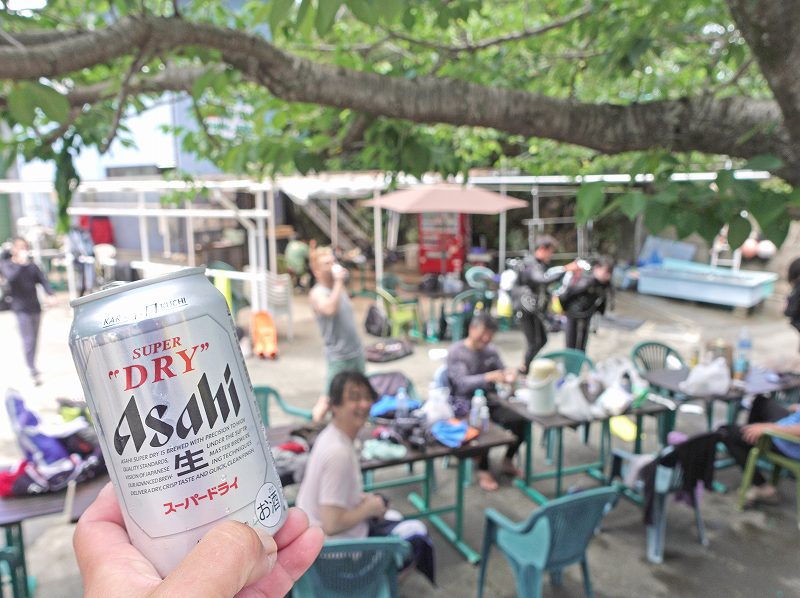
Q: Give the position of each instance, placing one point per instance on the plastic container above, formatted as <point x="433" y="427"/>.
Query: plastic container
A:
<point x="478" y="402"/>
<point x="741" y="357"/>
<point x="541" y="387"/>
<point x="402" y="403"/>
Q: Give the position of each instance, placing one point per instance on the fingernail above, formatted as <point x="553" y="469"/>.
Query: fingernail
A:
<point x="270" y="548"/>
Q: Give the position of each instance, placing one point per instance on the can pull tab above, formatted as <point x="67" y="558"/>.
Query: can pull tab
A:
<point x="113" y="284"/>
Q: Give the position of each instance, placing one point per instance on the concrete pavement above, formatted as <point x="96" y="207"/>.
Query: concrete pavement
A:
<point x="751" y="553"/>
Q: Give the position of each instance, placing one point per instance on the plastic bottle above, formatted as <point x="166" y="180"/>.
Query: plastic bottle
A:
<point x="402" y="403"/>
<point x="478" y="401"/>
<point x="741" y="358"/>
<point x="484" y="417"/>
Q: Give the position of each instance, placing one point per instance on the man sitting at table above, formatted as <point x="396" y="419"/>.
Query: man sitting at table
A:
<point x="765" y="414"/>
<point x="474" y="364"/>
<point x="332" y="492"/>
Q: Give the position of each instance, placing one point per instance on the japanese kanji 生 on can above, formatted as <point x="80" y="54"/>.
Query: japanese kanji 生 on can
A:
<point x="174" y="409"/>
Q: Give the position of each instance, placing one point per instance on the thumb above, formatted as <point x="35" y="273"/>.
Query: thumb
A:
<point x="229" y="557"/>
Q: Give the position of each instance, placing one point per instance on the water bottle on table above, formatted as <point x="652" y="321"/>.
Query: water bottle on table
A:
<point x="741" y="358"/>
<point x="402" y="403"/>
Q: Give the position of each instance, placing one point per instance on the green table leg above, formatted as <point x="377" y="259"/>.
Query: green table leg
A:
<point x="528" y="453"/>
<point x="637" y="442"/>
<point x="454" y="536"/>
<point x="19" y="573"/>
<point x="559" y="460"/>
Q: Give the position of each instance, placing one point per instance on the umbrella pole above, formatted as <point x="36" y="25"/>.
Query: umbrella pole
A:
<point x="378" y="234"/>
<point x="501" y="258"/>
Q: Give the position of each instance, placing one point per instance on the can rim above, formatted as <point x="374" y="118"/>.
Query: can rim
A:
<point x="136" y="284"/>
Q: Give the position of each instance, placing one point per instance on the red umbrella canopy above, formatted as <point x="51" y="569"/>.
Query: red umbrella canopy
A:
<point x="446" y="198"/>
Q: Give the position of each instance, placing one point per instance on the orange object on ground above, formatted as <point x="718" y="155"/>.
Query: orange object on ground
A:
<point x="264" y="335"/>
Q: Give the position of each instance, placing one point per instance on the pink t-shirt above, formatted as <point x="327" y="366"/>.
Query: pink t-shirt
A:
<point x="332" y="478"/>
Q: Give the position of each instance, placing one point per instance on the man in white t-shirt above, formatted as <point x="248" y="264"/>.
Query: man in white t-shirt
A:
<point x="332" y="492"/>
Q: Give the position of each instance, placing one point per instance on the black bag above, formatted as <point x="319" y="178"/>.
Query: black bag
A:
<point x="377" y="322"/>
<point x="388" y="350"/>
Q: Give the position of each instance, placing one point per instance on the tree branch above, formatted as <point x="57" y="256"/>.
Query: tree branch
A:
<point x="472" y="47"/>
<point x="741" y="126"/>
<point x="770" y="29"/>
<point x="122" y="99"/>
<point x="203" y="125"/>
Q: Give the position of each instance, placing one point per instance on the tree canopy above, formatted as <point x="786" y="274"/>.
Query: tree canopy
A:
<point x="540" y="86"/>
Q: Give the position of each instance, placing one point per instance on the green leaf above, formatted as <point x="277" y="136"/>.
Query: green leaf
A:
<point x="364" y="11"/>
<point x="767" y="206"/>
<point x="202" y="83"/>
<point x="590" y="200"/>
<point x="279" y="13"/>
<point x="738" y="230"/>
<point x="54" y="104"/>
<point x="725" y="183"/>
<point x="302" y="12"/>
<point x="777" y="231"/>
<point x="20" y="106"/>
<point x="764" y="162"/>
<point x="326" y="13"/>
<point x="390" y="9"/>
<point x="657" y="216"/>
<point x="631" y="204"/>
<point x="708" y="226"/>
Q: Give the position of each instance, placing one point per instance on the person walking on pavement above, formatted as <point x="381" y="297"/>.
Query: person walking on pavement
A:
<point x="531" y="296"/>
<point x="22" y="276"/>
<point x="334" y="312"/>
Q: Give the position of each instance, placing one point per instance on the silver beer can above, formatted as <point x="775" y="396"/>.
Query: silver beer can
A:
<point x="175" y="412"/>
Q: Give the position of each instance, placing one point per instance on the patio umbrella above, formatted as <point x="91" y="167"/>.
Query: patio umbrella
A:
<point x="441" y="199"/>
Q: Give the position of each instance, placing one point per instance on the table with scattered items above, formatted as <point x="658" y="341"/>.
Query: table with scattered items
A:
<point x="492" y="436"/>
<point x="557" y="423"/>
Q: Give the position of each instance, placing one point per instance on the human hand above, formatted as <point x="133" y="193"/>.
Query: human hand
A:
<point x="510" y="375"/>
<point x="232" y="559"/>
<point x="373" y="505"/>
<point x="339" y="272"/>
<point x="496" y="376"/>
<point x="752" y="432"/>
<point x="51" y="301"/>
<point x="573" y="266"/>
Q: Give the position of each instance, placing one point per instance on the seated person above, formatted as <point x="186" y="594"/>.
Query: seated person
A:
<point x="473" y="364"/>
<point x="332" y="492"/>
<point x="765" y="414"/>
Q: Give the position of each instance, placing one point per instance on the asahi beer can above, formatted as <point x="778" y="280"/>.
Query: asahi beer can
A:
<point x="174" y="409"/>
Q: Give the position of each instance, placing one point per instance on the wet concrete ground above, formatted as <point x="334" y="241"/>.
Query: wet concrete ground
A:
<point x="754" y="553"/>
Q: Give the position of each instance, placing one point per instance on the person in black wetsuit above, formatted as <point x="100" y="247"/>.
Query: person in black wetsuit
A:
<point x="530" y="296"/>
<point x="22" y="276"/>
<point x="586" y="295"/>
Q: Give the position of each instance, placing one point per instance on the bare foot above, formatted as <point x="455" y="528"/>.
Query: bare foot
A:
<point x="487" y="482"/>
<point x="508" y="468"/>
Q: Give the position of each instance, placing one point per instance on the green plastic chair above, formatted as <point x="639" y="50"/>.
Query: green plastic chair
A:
<point x="573" y="360"/>
<point x="668" y="479"/>
<point x="365" y="567"/>
<point x="393" y="283"/>
<point x="401" y="314"/>
<point x="265" y="394"/>
<point x="651" y="355"/>
<point x="461" y="309"/>
<point x="553" y="537"/>
<point x="764" y="451"/>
